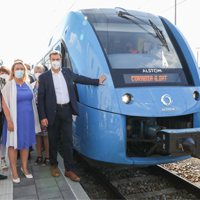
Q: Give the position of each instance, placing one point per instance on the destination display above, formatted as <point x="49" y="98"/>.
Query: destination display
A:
<point x="151" y="78"/>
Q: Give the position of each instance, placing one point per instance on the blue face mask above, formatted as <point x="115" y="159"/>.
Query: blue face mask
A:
<point x="19" y="73"/>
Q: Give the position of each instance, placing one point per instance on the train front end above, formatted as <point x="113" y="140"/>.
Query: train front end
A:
<point x="149" y="111"/>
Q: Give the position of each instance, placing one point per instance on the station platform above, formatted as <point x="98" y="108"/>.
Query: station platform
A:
<point x="42" y="186"/>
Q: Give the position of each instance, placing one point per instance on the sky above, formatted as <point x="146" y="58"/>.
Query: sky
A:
<point x="27" y="25"/>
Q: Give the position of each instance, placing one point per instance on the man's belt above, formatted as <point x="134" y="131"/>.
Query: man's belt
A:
<point x="63" y="105"/>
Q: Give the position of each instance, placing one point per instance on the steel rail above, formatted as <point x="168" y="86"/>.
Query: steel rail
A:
<point x="190" y="187"/>
<point x="102" y="180"/>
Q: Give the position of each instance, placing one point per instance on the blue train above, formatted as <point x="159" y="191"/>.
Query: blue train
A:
<point x="148" y="112"/>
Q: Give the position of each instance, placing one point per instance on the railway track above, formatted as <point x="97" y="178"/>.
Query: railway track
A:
<point x="190" y="187"/>
<point x="152" y="183"/>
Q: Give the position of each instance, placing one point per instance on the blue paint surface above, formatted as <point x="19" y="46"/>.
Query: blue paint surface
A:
<point x="100" y="131"/>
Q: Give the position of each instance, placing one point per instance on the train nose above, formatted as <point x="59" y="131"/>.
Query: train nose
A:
<point x="189" y="145"/>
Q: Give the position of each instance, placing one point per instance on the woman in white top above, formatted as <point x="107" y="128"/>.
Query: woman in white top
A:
<point x="21" y="120"/>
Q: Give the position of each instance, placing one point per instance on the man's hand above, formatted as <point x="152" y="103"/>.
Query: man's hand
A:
<point x="101" y="79"/>
<point x="10" y="126"/>
<point x="44" y="122"/>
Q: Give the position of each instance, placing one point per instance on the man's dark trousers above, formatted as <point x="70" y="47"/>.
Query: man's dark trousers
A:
<point x="63" y="123"/>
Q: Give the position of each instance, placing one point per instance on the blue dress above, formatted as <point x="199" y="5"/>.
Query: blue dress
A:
<point x="25" y="119"/>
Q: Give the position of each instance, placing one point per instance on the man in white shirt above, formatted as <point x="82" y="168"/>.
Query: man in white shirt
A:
<point x="56" y="104"/>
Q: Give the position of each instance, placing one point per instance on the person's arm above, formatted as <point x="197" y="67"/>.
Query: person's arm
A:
<point x="88" y="81"/>
<point x="7" y="114"/>
<point x="41" y="102"/>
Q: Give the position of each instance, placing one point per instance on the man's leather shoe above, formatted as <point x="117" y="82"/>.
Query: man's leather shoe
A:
<point x="72" y="176"/>
<point x="54" y="171"/>
<point x="3" y="177"/>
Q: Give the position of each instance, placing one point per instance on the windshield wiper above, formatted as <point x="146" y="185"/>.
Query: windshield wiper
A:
<point x="159" y="34"/>
<point x="157" y="31"/>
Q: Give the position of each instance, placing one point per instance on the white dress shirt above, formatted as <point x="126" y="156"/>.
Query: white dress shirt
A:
<point x="60" y="85"/>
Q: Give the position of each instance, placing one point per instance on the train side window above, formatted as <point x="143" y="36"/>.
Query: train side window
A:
<point x="57" y="46"/>
<point x="50" y="41"/>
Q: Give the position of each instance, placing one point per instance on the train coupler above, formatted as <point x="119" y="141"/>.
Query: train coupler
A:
<point x="179" y="142"/>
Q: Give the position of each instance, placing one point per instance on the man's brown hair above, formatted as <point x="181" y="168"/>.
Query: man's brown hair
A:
<point x="55" y="52"/>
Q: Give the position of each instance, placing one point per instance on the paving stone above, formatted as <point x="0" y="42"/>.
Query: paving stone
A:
<point x="38" y="168"/>
<point x="49" y="193"/>
<point x="43" y="183"/>
<point x="42" y="175"/>
<point x="68" y="195"/>
<point x="6" y="196"/>
<point x="24" y="191"/>
<point x="32" y="197"/>
<point x="25" y="182"/>
<point x="62" y="185"/>
<point x="6" y="185"/>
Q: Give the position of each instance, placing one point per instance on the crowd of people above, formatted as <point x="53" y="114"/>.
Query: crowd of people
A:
<point x="34" y="110"/>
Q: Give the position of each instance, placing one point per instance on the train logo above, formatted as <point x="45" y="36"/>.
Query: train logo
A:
<point x="166" y="100"/>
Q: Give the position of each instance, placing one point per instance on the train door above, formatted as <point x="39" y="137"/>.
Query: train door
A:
<point x="64" y="60"/>
<point x="65" y="57"/>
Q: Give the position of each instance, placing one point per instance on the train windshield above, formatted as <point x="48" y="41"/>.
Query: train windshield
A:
<point x="136" y="56"/>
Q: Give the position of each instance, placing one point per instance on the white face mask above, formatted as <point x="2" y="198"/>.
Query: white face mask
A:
<point x="5" y="76"/>
<point x="37" y="75"/>
<point x="56" y="64"/>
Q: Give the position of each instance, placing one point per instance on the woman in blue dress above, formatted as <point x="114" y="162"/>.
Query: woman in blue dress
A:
<point x="21" y="118"/>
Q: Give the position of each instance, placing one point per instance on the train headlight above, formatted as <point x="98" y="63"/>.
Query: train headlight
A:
<point x="126" y="98"/>
<point x="196" y="95"/>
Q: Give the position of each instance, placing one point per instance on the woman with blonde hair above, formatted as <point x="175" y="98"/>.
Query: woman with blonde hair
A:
<point x="21" y="120"/>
